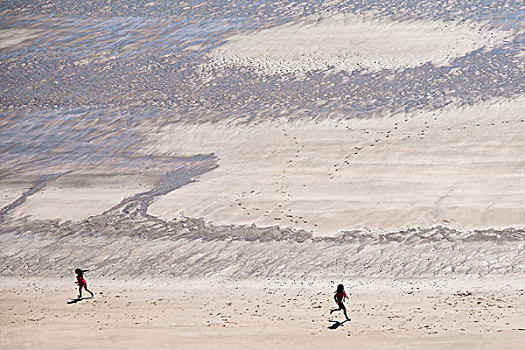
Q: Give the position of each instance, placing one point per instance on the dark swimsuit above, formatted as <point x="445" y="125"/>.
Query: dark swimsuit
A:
<point x="339" y="297"/>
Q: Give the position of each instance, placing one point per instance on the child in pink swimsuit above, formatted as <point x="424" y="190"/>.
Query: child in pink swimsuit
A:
<point x="82" y="282"/>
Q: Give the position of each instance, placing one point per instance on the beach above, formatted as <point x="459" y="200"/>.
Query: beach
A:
<point x="405" y="314"/>
<point x="219" y="168"/>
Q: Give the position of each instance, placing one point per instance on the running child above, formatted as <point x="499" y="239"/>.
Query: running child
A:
<point x="339" y="298"/>
<point x="82" y="282"/>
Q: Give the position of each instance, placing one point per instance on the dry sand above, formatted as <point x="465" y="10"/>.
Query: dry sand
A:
<point x="193" y="314"/>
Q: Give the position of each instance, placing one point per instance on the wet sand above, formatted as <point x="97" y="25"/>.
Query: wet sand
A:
<point x="161" y="314"/>
<point x="83" y="195"/>
<point x="349" y="42"/>
<point x="460" y="168"/>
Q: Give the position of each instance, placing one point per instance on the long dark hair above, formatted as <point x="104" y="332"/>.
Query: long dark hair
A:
<point x="80" y="271"/>
<point x="340" y="288"/>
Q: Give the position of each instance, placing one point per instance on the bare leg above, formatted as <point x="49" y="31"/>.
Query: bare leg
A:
<point x="90" y="292"/>
<point x="347" y="318"/>
<point x="342" y="307"/>
<point x="79" y="292"/>
<point x="335" y="309"/>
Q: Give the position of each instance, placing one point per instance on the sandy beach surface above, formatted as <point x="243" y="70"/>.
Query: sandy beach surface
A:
<point x="219" y="167"/>
<point x="162" y="314"/>
<point x="383" y="173"/>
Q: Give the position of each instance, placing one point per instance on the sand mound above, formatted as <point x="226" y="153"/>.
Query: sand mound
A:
<point x="349" y="42"/>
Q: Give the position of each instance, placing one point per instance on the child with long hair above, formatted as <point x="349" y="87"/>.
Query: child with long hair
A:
<point x="82" y="282"/>
<point x="339" y="298"/>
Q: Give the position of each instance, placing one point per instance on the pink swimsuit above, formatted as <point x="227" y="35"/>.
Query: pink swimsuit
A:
<point x="81" y="281"/>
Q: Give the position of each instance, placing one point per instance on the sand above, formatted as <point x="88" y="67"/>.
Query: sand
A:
<point x="78" y="196"/>
<point x="351" y="42"/>
<point x="459" y="168"/>
<point x="456" y="167"/>
<point x="162" y="314"/>
<point x="13" y="190"/>
<point x="15" y="37"/>
<point x="220" y="168"/>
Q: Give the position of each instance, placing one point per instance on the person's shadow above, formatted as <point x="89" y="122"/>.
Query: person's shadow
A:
<point x="74" y="301"/>
<point x="336" y="324"/>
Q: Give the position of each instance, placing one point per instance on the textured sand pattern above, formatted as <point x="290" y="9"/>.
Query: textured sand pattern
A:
<point x="351" y="43"/>
<point x="439" y="168"/>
